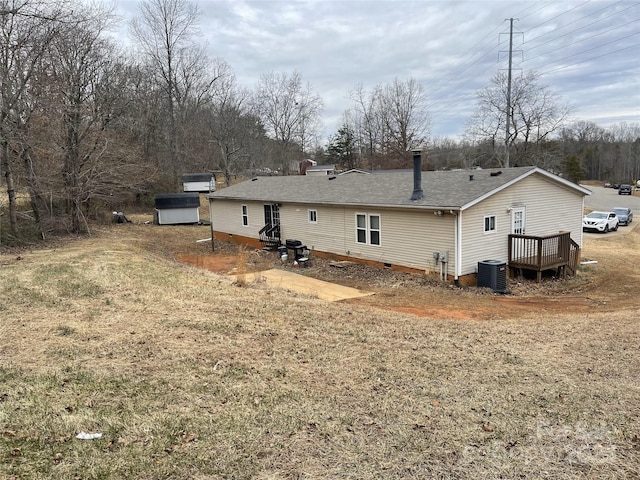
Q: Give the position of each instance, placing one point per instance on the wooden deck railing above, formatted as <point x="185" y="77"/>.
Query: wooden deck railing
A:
<point x="544" y="252"/>
<point x="574" y="258"/>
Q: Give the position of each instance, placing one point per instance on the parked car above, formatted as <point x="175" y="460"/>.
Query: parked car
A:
<point x="624" y="214"/>
<point x="600" y="222"/>
<point x="624" y="190"/>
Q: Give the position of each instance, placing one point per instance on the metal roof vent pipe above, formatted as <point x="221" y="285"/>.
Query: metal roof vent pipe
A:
<point x="417" y="175"/>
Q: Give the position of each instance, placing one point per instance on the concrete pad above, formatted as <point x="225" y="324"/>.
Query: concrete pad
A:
<point x="309" y="286"/>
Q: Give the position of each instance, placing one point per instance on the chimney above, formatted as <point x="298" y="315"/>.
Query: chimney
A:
<point x="417" y="175"/>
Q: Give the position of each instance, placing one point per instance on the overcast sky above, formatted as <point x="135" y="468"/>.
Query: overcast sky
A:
<point x="588" y="52"/>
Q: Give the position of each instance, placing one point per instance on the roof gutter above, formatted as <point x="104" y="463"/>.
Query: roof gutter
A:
<point x="445" y="208"/>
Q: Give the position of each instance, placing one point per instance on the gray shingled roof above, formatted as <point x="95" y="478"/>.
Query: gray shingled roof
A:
<point x="442" y="189"/>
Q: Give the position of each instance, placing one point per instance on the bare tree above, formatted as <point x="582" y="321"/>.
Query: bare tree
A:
<point x="535" y="113"/>
<point x="403" y="109"/>
<point x="611" y="154"/>
<point x="627" y="136"/>
<point x="230" y="126"/>
<point x="164" y="33"/>
<point x="201" y="84"/>
<point x="87" y="98"/>
<point x="289" y="111"/>
<point x="389" y="121"/>
<point x="26" y="29"/>
<point x="367" y="124"/>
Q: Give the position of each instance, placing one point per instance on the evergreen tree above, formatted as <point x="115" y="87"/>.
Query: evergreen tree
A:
<point x="573" y="168"/>
<point x="342" y="148"/>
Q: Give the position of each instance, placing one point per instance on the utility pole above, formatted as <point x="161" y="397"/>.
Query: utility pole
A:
<point x="508" y="109"/>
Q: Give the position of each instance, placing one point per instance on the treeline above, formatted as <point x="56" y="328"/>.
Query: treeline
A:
<point x="540" y="133"/>
<point x="579" y="151"/>
<point x="88" y="126"/>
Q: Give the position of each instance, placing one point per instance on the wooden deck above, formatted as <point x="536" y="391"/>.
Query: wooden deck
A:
<point x="544" y="252"/>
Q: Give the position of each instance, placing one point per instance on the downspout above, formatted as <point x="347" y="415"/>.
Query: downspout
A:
<point x="581" y="230"/>
<point x="211" y="222"/>
<point x="457" y="238"/>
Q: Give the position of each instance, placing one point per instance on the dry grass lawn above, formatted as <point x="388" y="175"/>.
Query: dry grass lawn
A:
<point x="190" y="376"/>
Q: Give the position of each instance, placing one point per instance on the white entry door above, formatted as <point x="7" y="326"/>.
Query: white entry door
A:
<point x="518" y="220"/>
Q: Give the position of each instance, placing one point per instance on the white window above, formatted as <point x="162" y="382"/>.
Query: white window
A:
<point x="245" y="216"/>
<point x="361" y="228"/>
<point x="368" y="229"/>
<point x="313" y="216"/>
<point x="490" y="224"/>
<point x="374" y="229"/>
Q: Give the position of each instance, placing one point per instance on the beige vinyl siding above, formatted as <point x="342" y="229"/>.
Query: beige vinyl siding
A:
<point x="325" y="235"/>
<point x="408" y="238"/>
<point x="226" y="216"/>
<point x="549" y="208"/>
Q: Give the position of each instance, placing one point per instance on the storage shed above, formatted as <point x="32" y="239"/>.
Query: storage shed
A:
<point x="199" y="182"/>
<point x="176" y="208"/>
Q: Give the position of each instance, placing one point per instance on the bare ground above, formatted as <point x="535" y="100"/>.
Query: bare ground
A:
<point x="609" y="285"/>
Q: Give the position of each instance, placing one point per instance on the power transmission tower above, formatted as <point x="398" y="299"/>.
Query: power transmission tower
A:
<point x="508" y="105"/>
<point x="508" y="109"/>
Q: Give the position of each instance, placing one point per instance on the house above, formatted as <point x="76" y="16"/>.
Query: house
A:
<point x="440" y="222"/>
<point x="373" y="172"/>
<point x="320" y="170"/>
<point x="304" y="164"/>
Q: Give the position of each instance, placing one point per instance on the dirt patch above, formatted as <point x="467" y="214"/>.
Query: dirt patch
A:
<point x="216" y="263"/>
<point x="606" y="286"/>
<point x="603" y="287"/>
<point x="447" y="314"/>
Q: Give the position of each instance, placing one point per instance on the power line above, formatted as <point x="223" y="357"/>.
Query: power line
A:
<point x="577" y="29"/>
<point x="561" y="14"/>
<point x="447" y="107"/>
<point x="589" y="59"/>
<point x="580" y="53"/>
<point x="542" y="7"/>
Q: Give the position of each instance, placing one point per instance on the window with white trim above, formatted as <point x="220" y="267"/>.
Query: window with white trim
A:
<point x="374" y="229"/>
<point x="313" y="216"/>
<point x="245" y="216"/>
<point x="368" y="229"/>
<point x="490" y="224"/>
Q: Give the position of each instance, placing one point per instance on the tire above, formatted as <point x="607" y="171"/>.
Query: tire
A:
<point x="615" y="229"/>
<point x="606" y="229"/>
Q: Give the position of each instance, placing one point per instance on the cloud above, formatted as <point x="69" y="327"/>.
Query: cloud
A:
<point x="588" y="52"/>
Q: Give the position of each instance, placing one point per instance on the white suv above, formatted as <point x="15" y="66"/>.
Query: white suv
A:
<point x="600" y="222"/>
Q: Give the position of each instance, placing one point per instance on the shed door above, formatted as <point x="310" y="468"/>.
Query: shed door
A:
<point x="518" y="220"/>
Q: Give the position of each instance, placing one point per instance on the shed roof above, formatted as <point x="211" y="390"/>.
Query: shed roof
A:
<point x="452" y="189"/>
